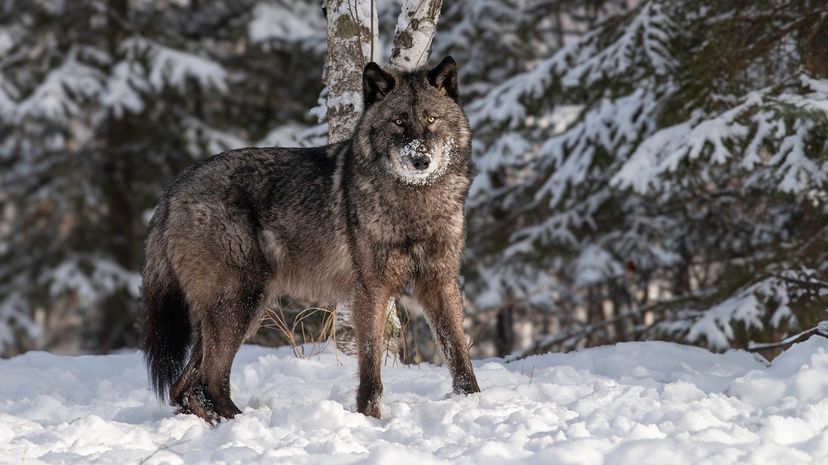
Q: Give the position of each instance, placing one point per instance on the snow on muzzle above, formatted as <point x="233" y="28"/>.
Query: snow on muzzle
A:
<point x="418" y="163"/>
<point x="416" y="156"/>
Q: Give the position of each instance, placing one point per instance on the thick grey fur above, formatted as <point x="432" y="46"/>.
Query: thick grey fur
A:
<point x="349" y="222"/>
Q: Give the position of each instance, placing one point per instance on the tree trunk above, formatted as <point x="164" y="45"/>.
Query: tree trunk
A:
<point x="113" y="326"/>
<point x="595" y="315"/>
<point x="352" y="42"/>
<point x="414" y="34"/>
<point x="504" y="331"/>
<point x="621" y="303"/>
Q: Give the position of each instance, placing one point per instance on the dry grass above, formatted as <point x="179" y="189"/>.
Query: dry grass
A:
<point x="310" y="331"/>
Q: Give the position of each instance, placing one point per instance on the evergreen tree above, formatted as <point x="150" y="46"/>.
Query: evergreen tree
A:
<point x="646" y="169"/>
<point x="662" y="176"/>
<point x="101" y="103"/>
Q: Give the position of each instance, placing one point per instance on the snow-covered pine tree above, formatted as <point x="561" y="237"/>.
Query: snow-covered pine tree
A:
<point x="647" y="168"/>
<point x="497" y="42"/>
<point x="101" y="102"/>
<point x="662" y="176"/>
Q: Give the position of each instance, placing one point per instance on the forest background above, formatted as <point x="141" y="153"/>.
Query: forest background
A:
<point x="645" y="169"/>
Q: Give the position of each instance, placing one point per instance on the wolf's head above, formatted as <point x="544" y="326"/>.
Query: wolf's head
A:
<point x="413" y="127"/>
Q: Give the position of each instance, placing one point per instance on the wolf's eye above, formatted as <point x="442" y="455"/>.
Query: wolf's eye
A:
<point x="398" y="122"/>
<point x="431" y="119"/>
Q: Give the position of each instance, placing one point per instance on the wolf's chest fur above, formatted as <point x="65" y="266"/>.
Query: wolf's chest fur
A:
<point x="322" y="262"/>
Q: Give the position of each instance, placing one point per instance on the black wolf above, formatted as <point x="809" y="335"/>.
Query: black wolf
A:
<point x="351" y="222"/>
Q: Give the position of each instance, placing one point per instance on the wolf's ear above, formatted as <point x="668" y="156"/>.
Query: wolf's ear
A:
<point x="444" y="77"/>
<point x="376" y="84"/>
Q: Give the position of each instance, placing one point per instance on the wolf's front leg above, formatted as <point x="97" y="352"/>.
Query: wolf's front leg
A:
<point x="443" y="306"/>
<point x="369" y="319"/>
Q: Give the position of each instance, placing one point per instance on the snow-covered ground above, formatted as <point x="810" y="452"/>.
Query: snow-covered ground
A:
<point x="630" y="404"/>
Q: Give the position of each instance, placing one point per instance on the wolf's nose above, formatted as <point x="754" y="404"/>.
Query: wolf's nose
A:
<point x="420" y="163"/>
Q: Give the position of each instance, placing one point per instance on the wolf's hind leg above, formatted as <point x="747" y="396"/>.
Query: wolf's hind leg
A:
<point x="189" y="377"/>
<point x="224" y="314"/>
<point x="224" y="330"/>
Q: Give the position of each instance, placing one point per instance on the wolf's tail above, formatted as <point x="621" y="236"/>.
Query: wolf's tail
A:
<point x="167" y="328"/>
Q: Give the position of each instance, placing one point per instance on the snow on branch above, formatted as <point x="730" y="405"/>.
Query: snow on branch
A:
<point x="202" y="138"/>
<point x="648" y="34"/>
<point x="613" y="126"/>
<point x="503" y="104"/>
<point x="171" y="67"/>
<point x="56" y="98"/>
<point x="763" y="128"/>
<point x="123" y="89"/>
<point x="582" y="63"/>
<point x="595" y="265"/>
<point x="300" y="23"/>
<point x="90" y="278"/>
<point x="751" y="306"/>
<point x="63" y="91"/>
<point x="820" y="330"/>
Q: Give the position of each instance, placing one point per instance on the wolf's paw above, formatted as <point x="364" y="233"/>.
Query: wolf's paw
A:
<point x="466" y="385"/>
<point x="368" y="403"/>
<point x="369" y="395"/>
<point x="226" y="409"/>
<point x="196" y="401"/>
<point x="371" y="408"/>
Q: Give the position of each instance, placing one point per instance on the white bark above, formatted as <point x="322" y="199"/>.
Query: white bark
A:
<point x="352" y="41"/>
<point x="414" y="34"/>
<point x="352" y="34"/>
<point x="346" y="336"/>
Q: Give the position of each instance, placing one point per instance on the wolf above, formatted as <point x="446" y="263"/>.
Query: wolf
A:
<point x="352" y="222"/>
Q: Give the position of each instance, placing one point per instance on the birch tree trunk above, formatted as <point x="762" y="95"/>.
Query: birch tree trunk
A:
<point x="416" y="27"/>
<point x="352" y="41"/>
<point x="352" y="33"/>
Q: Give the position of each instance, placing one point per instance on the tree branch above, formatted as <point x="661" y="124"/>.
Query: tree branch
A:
<point x="819" y="330"/>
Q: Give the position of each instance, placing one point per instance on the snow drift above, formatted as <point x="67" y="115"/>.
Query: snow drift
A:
<point x="633" y="403"/>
